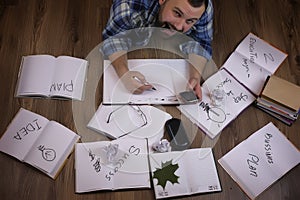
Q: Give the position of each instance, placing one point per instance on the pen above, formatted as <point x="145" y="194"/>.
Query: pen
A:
<point x="145" y="83"/>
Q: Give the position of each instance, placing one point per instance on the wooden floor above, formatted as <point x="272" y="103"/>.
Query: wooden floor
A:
<point x="73" y="27"/>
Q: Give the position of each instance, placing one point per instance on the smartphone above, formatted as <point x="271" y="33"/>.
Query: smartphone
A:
<point x="178" y="137"/>
<point x="188" y="97"/>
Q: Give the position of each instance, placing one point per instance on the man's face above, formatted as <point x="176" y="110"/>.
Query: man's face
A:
<point x="178" y="15"/>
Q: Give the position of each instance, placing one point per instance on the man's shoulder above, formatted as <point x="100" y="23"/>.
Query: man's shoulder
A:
<point x="134" y="4"/>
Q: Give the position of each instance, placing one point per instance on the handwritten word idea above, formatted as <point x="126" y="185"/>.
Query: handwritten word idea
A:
<point x="30" y="127"/>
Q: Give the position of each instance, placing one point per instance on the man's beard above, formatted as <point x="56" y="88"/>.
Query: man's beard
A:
<point x="166" y="25"/>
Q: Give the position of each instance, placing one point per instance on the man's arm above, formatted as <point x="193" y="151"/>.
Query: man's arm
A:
<point x="120" y="63"/>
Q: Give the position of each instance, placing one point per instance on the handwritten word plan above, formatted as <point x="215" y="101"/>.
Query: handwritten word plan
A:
<point x="241" y="79"/>
<point x="111" y="165"/>
<point x="33" y="139"/>
<point x="260" y="160"/>
<point x="52" y="77"/>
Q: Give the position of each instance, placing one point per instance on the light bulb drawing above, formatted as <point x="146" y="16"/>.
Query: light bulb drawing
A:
<point x="47" y="153"/>
<point x="214" y="114"/>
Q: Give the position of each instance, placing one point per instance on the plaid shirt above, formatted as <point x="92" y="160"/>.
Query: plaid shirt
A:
<point x="133" y="14"/>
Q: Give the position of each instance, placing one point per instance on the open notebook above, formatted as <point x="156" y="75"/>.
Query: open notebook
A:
<point x="241" y="79"/>
<point x="180" y="173"/>
<point x="33" y="139"/>
<point x="111" y="165"/>
<point x="47" y="76"/>
<point x="117" y="121"/>
<point x="260" y="160"/>
<point x="168" y="76"/>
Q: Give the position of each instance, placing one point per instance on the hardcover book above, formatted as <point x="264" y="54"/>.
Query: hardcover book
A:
<point x="111" y="165"/>
<point x="235" y="86"/>
<point x="33" y="139"/>
<point x="61" y="77"/>
<point x="181" y="173"/>
<point x="260" y="160"/>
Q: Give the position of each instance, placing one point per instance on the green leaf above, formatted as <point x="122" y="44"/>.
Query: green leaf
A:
<point x="166" y="173"/>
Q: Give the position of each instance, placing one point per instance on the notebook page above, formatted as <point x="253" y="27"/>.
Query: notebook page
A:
<point x="123" y="120"/>
<point x="69" y="78"/>
<point x="95" y="172"/>
<point x="260" y="52"/>
<point x="36" y="74"/>
<point x="275" y="149"/>
<point x="21" y="133"/>
<point x="260" y="160"/>
<point x="88" y="169"/>
<point x="48" y="152"/>
<point x="171" y="163"/>
<point x="251" y="75"/>
<point x="214" y="118"/>
<point x="168" y="76"/>
<point x="201" y="161"/>
<point x="180" y="173"/>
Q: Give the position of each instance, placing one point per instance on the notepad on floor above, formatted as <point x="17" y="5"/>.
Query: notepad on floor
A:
<point x="47" y="76"/>
<point x="253" y="61"/>
<point x="168" y="76"/>
<point x="124" y="166"/>
<point x="260" y="160"/>
<point x="117" y="121"/>
<point x="33" y="139"/>
<point x="212" y="119"/>
<point x="180" y="173"/>
<point x="239" y="80"/>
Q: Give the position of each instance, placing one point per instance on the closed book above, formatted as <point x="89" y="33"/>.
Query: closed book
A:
<point x="282" y="92"/>
<point x="276" y="108"/>
<point x="281" y="118"/>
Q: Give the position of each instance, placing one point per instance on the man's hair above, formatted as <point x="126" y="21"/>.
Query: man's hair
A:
<point x="197" y="3"/>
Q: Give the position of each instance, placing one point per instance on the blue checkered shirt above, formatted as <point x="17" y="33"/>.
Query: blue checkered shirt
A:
<point x="132" y="14"/>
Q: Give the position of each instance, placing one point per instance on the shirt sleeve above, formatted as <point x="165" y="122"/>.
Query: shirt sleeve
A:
<point x="117" y="25"/>
<point x="120" y="19"/>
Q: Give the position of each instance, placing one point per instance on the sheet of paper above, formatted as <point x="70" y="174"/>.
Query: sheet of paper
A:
<point x="186" y="172"/>
<point x="253" y="61"/>
<point x="251" y="75"/>
<point x="128" y="167"/>
<point x="21" y="133"/>
<point x="70" y="76"/>
<point x="260" y="160"/>
<point x="214" y="118"/>
<point x="51" y="149"/>
<point x="168" y="76"/>
<point x="127" y="120"/>
<point x="260" y="52"/>
<point x="42" y="68"/>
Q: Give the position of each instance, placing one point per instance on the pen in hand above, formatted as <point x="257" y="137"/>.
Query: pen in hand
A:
<point x="145" y="83"/>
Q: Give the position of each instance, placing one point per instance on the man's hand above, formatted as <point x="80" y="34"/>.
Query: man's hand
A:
<point x="135" y="82"/>
<point x="194" y="84"/>
<point x="197" y="64"/>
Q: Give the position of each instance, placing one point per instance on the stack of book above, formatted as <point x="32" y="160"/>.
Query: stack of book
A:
<point x="280" y="99"/>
